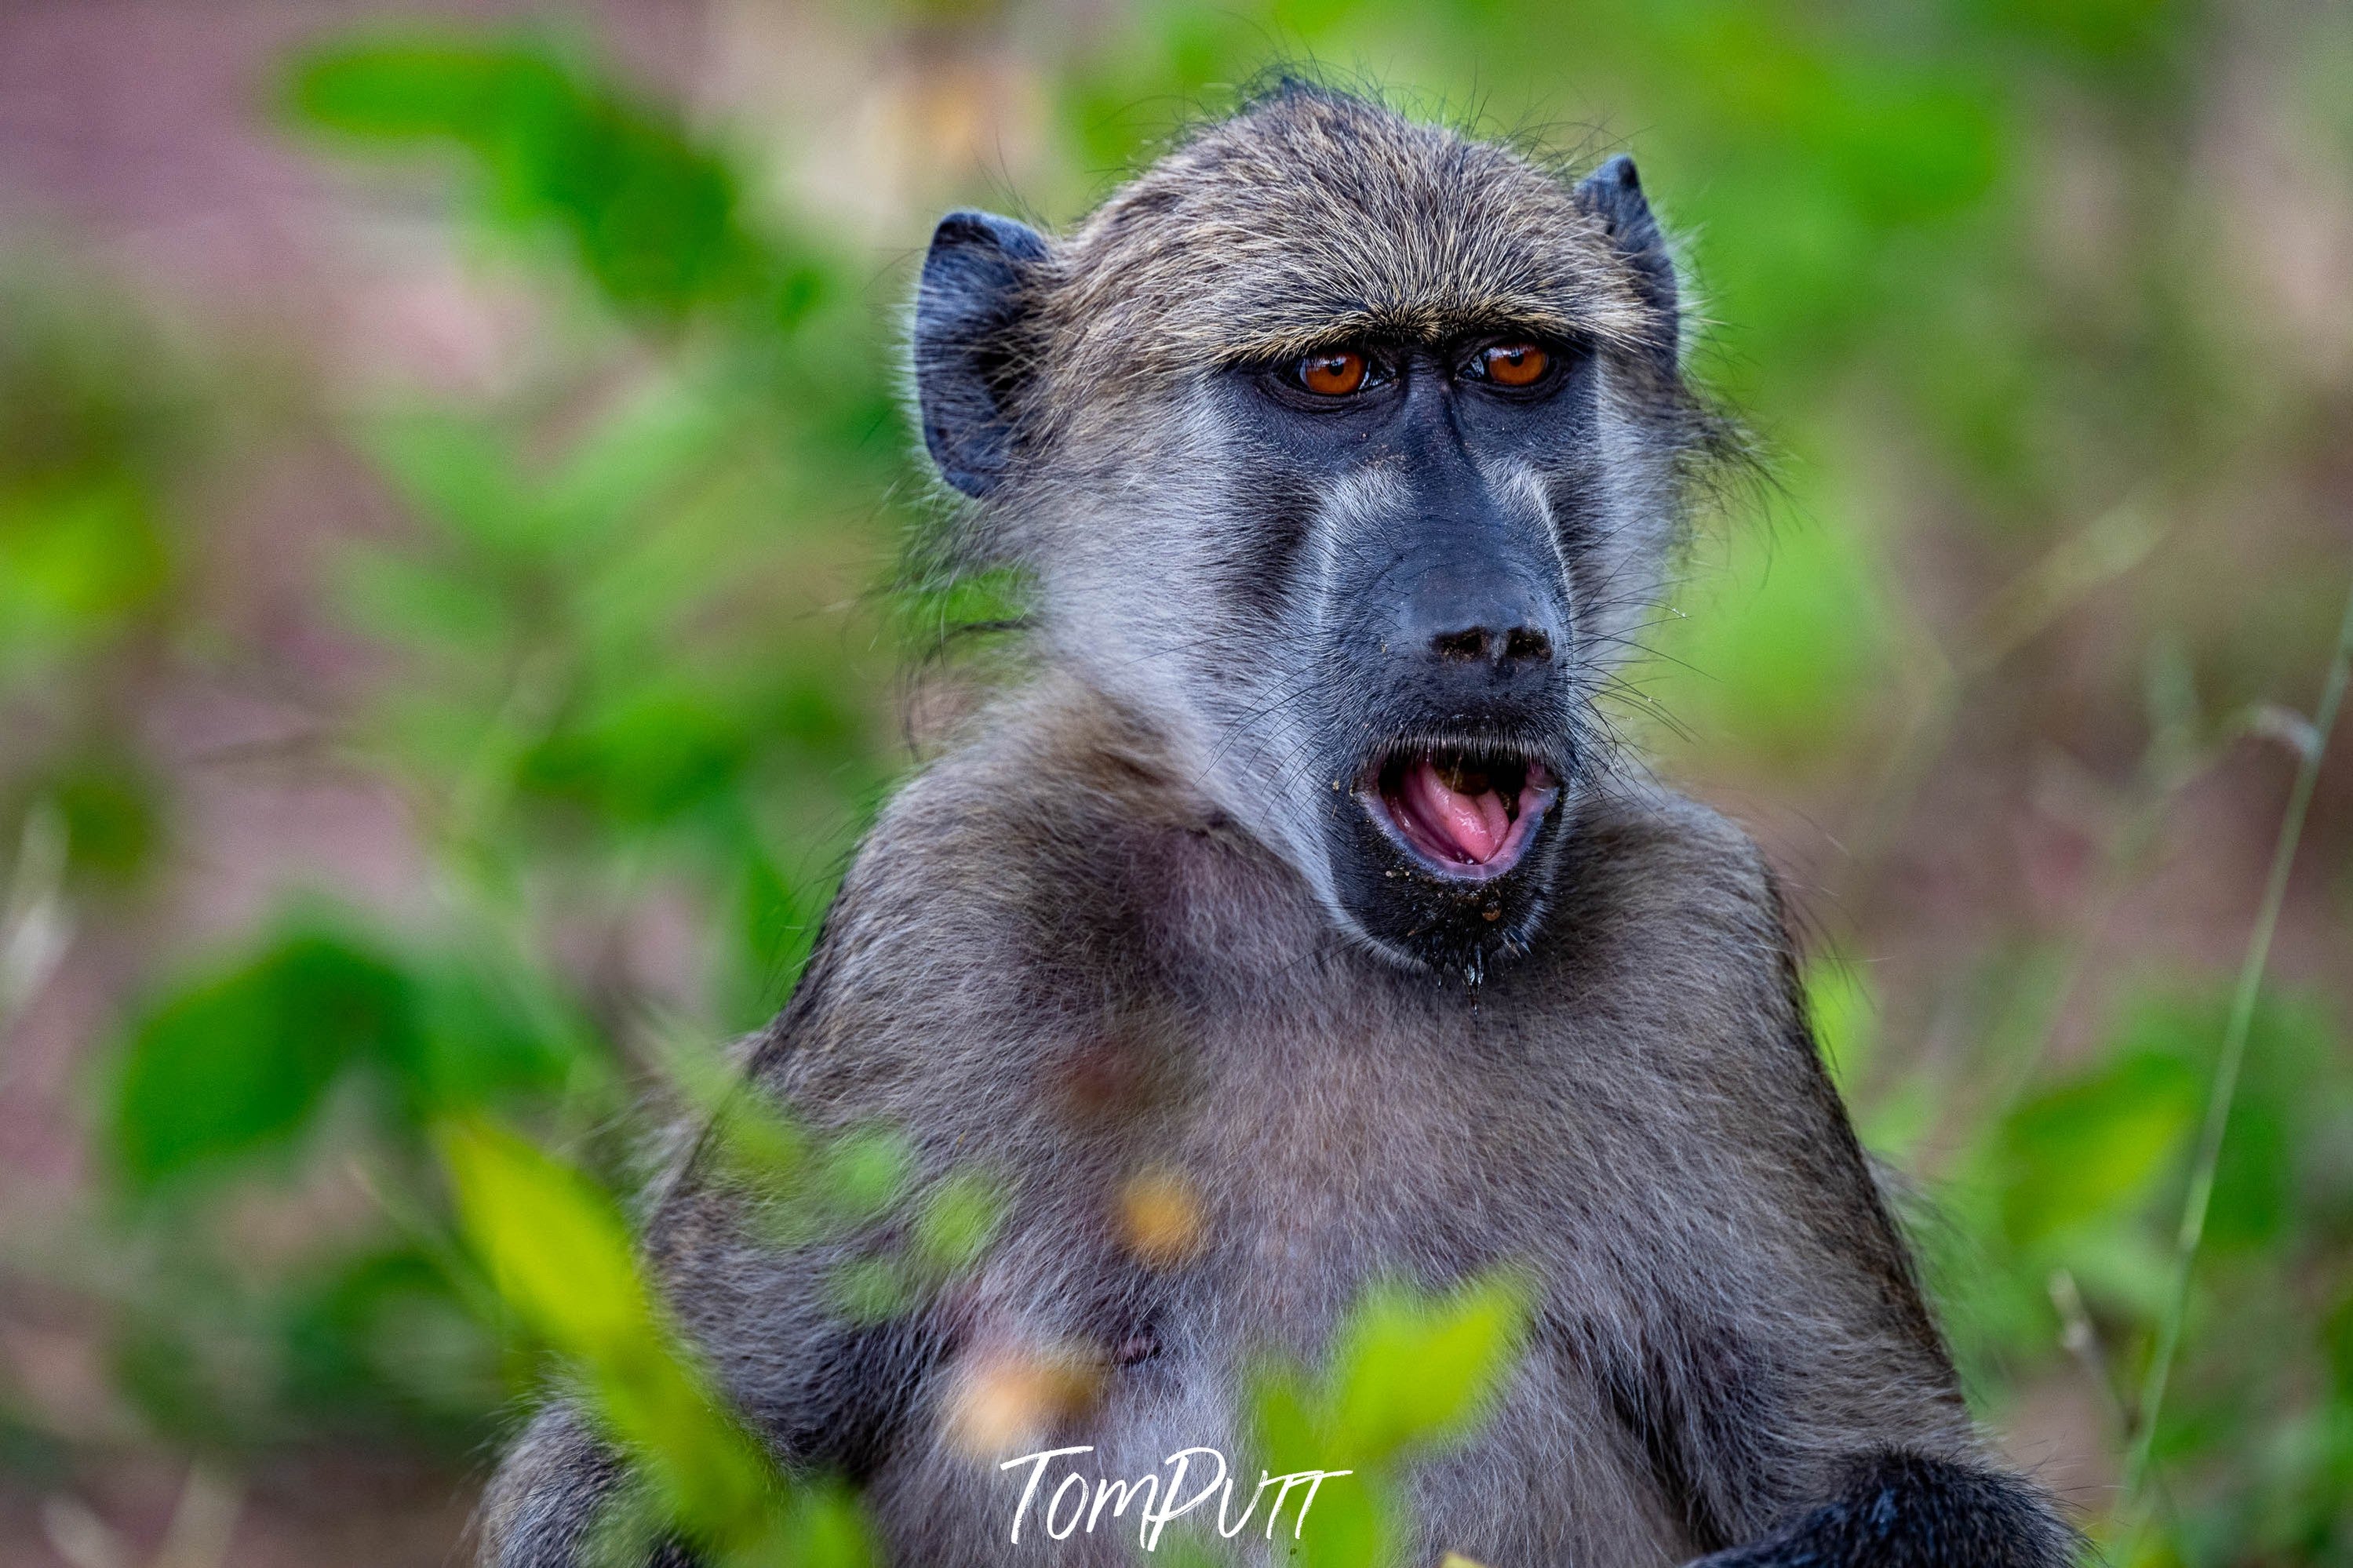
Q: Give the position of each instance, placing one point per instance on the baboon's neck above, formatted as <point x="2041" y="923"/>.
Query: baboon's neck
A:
<point x="1123" y="822"/>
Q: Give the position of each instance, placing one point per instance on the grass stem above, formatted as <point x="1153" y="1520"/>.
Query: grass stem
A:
<point x="2313" y="745"/>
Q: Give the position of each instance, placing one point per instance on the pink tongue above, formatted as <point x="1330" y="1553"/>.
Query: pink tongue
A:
<point x="1474" y="825"/>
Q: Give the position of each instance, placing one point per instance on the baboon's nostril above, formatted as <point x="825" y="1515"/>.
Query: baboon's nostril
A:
<point x="1477" y="645"/>
<point x="1465" y="644"/>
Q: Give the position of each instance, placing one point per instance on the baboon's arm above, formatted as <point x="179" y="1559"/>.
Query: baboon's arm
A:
<point x="1906" y="1510"/>
<point x="1828" y="1429"/>
<point x="544" y="1507"/>
<point x="824" y="1393"/>
<point x="826" y="1398"/>
<point x="1796" y="1401"/>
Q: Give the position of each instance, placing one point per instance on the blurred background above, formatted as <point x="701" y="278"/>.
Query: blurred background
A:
<point x="451" y="493"/>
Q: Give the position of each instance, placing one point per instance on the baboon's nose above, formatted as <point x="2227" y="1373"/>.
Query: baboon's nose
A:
<point x="1482" y="627"/>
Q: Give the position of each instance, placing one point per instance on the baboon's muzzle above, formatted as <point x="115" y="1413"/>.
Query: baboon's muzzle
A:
<point x="1456" y="703"/>
<point x="1468" y="656"/>
<point x="1466" y="659"/>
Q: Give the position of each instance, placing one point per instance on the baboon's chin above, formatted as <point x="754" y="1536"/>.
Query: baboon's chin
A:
<point x="1443" y="854"/>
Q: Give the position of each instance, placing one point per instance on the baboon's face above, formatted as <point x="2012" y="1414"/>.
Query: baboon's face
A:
<point x="1400" y="526"/>
<point x="1344" y="452"/>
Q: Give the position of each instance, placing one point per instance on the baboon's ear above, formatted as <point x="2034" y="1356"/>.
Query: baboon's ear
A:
<point x="1613" y="193"/>
<point x="968" y="313"/>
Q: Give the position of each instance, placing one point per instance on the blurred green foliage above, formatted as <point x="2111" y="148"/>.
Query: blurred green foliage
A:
<point x="653" y="217"/>
<point x="1408" y="1374"/>
<point x="589" y="702"/>
<point x="315" y="1007"/>
<point x="560" y="1254"/>
<point x="95" y="433"/>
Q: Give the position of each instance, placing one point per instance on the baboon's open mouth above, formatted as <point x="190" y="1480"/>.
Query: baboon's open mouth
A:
<point x="1462" y="811"/>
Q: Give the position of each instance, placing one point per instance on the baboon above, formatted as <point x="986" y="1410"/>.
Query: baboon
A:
<point x="1344" y="454"/>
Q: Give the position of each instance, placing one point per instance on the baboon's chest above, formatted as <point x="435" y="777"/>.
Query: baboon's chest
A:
<point x="1246" y="1221"/>
<point x="1170" y="1361"/>
<point x="1289" y="1161"/>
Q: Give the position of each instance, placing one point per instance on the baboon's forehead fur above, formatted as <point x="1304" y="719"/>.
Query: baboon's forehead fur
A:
<point x="1312" y="217"/>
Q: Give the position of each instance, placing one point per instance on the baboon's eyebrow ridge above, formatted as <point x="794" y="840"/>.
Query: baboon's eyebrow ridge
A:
<point x="1313" y="217"/>
<point x="1276" y="336"/>
<point x="1276" y="306"/>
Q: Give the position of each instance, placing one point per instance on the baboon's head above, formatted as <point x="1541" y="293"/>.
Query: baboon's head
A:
<point x="1346" y="450"/>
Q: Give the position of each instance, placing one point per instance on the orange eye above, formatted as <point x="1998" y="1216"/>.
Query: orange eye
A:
<point x="1514" y="365"/>
<point x="1334" y="375"/>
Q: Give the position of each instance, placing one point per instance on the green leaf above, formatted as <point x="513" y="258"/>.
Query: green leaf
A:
<point x="77" y="557"/>
<point x="555" y="1246"/>
<point x="1349" y="1525"/>
<point x="775" y="922"/>
<point x="463" y="475"/>
<point x="651" y="217"/>
<point x="236" y="1065"/>
<point x="668" y="431"/>
<point x="1410" y="1373"/>
<point x="484" y="1033"/>
<point x="1784" y="655"/>
<point x="381" y="1346"/>
<point x="645" y="754"/>
<point x="2337" y="1346"/>
<point x="559" y="1253"/>
<point x="756" y="1144"/>
<point x="955" y="1222"/>
<point x="2294" y="1086"/>
<point x="870" y="1289"/>
<point x="865" y="1172"/>
<point x="1842" y="1009"/>
<point x="1416" y="1371"/>
<point x="428" y="606"/>
<point x="112" y="819"/>
<point x="422" y="87"/>
<point x="824" y="1528"/>
<point x="2092" y="1150"/>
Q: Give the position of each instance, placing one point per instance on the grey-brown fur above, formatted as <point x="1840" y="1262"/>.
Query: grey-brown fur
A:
<point x="1105" y="936"/>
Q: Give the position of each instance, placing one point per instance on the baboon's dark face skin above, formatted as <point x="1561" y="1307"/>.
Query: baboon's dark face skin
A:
<point x="1345" y="454"/>
<point x="1407" y="551"/>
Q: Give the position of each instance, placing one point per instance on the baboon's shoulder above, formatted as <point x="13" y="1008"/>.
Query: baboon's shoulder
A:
<point x="1001" y="841"/>
<point x="1672" y="961"/>
<point x="981" y="901"/>
<point x="1668" y="933"/>
<point x="1649" y="866"/>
